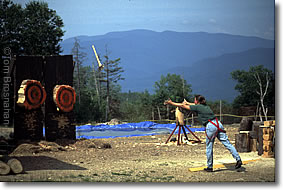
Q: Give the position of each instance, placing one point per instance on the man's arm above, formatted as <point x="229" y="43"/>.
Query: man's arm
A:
<point x="188" y="103"/>
<point x="181" y="105"/>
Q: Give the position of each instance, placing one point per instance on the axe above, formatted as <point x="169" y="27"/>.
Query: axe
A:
<point x="100" y="66"/>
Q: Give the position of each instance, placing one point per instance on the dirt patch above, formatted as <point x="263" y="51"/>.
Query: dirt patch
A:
<point x="91" y="143"/>
<point x="135" y="159"/>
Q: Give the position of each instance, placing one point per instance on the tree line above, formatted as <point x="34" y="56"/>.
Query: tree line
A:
<point x="102" y="98"/>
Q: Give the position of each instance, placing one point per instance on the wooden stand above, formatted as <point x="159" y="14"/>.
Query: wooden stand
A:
<point x="181" y="127"/>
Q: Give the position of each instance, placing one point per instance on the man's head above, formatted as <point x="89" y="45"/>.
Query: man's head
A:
<point x="199" y="99"/>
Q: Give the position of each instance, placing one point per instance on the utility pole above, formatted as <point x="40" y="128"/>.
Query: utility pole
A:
<point x="220" y="110"/>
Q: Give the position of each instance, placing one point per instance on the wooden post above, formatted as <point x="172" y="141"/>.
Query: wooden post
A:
<point x="167" y="108"/>
<point x="59" y="115"/>
<point x="152" y="112"/>
<point x="260" y="141"/>
<point x="220" y="111"/>
<point x="28" y="116"/>
<point x="158" y="110"/>
<point x="242" y="141"/>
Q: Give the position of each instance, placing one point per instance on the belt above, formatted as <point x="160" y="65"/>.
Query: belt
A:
<point x="208" y="121"/>
<point x="218" y="129"/>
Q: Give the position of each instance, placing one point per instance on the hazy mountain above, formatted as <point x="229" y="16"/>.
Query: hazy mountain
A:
<point x="145" y="55"/>
<point x="212" y="76"/>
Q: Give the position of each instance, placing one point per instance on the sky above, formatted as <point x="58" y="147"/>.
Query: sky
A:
<point x="98" y="17"/>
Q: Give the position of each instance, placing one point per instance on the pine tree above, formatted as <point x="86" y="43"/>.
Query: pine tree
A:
<point x="112" y="74"/>
<point x="78" y="57"/>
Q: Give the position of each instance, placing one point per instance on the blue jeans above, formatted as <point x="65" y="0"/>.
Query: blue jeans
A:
<point x="222" y="137"/>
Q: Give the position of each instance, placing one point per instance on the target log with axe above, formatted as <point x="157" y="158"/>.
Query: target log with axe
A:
<point x="181" y="125"/>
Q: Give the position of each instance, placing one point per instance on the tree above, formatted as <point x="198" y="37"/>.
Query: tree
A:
<point x="89" y="109"/>
<point x="79" y="58"/>
<point x="11" y="26"/>
<point x="136" y="106"/>
<point x="42" y="30"/>
<point x="262" y="91"/>
<point x="255" y="86"/>
<point x="33" y="30"/>
<point x="111" y="75"/>
<point x="172" y="86"/>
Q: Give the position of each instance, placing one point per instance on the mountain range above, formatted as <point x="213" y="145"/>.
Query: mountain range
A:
<point x="205" y="60"/>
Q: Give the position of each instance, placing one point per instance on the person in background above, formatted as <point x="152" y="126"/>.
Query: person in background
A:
<point x="213" y="129"/>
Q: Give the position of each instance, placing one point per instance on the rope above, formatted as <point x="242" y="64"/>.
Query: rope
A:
<point x="195" y="117"/>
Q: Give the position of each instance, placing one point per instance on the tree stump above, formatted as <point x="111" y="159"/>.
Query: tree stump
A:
<point x="242" y="142"/>
<point x="31" y="94"/>
<point x="64" y="96"/>
<point x="4" y="168"/>
<point x="246" y="124"/>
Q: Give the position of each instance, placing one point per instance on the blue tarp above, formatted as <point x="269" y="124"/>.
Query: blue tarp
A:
<point x="145" y="126"/>
<point x="126" y="130"/>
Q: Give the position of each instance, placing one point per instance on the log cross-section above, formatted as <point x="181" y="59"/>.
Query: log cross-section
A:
<point x="4" y="168"/>
<point x="31" y="94"/>
<point x="64" y="97"/>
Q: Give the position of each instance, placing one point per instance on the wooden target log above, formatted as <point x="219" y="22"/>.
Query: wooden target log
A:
<point x="31" y="94"/>
<point x="64" y="97"/>
<point x="179" y="116"/>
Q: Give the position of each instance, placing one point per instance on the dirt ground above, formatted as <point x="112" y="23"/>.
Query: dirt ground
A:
<point x="134" y="159"/>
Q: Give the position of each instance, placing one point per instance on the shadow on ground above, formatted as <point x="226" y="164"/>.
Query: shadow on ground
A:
<point x="32" y="163"/>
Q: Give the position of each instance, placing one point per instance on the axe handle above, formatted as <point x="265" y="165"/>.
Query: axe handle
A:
<point x="98" y="61"/>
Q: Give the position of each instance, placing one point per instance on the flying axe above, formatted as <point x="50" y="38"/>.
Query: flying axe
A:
<point x="100" y="66"/>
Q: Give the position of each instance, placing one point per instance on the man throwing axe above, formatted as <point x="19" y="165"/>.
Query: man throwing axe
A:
<point x="213" y="129"/>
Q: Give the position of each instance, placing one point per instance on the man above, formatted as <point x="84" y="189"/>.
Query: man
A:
<point x="214" y="128"/>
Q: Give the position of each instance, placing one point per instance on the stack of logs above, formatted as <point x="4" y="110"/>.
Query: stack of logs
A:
<point x="268" y="139"/>
<point x="256" y="136"/>
<point x="246" y="140"/>
<point x="10" y="165"/>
